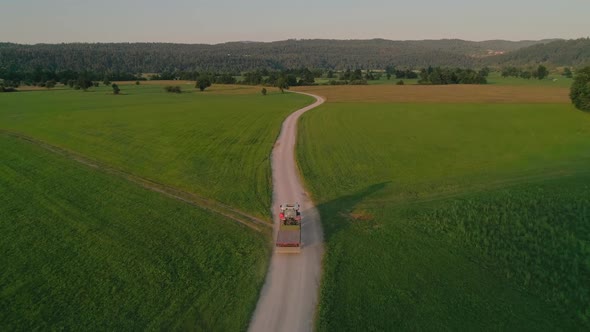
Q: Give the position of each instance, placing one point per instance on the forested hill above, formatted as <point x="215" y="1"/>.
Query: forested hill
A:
<point x="560" y="53"/>
<point x="242" y="56"/>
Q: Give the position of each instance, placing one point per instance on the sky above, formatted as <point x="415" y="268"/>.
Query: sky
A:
<point x="217" y="21"/>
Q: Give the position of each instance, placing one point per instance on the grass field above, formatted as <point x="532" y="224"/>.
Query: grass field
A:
<point x="451" y="213"/>
<point x="82" y="250"/>
<point x="440" y="94"/>
<point x="216" y="143"/>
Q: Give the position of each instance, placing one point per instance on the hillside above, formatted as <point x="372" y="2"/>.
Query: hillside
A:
<point x="574" y="52"/>
<point x="241" y="56"/>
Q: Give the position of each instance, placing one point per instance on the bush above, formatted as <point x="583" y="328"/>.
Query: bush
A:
<point x="400" y="82"/>
<point x="358" y="82"/>
<point x="116" y="89"/>
<point x="263" y="91"/>
<point x="580" y="90"/>
<point x="137" y="83"/>
<point x="338" y="82"/>
<point x="203" y="83"/>
<point x="173" y="89"/>
<point x="7" y="89"/>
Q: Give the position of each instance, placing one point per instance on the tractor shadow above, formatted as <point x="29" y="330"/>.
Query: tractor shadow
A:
<point x="334" y="214"/>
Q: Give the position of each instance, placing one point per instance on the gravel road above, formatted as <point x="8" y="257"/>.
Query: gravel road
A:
<point x="289" y="296"/>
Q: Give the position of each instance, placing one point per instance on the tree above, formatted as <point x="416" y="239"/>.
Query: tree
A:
<point x="173" y="89"/>
<point x="203" y="83"/>
<point x="356" y="75"/>
<point x="253" y="78"/>
<point x="542" y="72"/>
<point x="290" y="80"/>
<point x="263" y="91"/>
<point x="116" y="89"/>
<point x="307" y="77"/>
<point x="580" y="90"/>
<point x="84" y="82"/>
<point x="106" y="81"/>
<point x="484" y="72"/>
<point x="50" y="84"/>
<point x="567" y="72"/>
<point x="389" y="71"/>
<point x="526" y="74"/>
<point x="282" y="84"/>
<point x="225" y="79"/>
<point x="346" y="75"/>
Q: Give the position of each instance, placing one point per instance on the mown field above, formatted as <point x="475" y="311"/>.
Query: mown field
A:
<point x="451" y="214"/>
<point x="82" y="250"/>
<point x="216" y="143"/>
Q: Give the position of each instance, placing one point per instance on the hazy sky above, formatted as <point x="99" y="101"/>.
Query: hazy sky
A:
<point x="215" y="21"/>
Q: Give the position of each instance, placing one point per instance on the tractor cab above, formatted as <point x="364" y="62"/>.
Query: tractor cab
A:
<point x="290" y="214"/>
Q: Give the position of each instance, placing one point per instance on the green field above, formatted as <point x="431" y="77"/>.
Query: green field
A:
<point x="215" y="144"/>
<point x="451" y="216"/>
<point x="82" y="250"/>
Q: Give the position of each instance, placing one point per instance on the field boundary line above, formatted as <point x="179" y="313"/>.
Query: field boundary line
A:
<point x="211" y="205"/>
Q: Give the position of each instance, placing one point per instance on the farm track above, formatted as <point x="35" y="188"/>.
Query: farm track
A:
<point x="289" y="297"/>
<point x="236" y="215"/>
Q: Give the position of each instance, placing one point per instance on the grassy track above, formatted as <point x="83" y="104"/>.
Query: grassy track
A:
<point x="451" y="216"/>
<point x="214" y="143"/>
<point x="83" y="251"/>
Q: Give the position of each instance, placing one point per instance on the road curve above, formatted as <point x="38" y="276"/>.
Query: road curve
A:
<point x="290" y="293"/>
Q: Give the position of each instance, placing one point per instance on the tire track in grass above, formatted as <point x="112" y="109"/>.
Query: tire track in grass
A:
<point x="236" y="215"/>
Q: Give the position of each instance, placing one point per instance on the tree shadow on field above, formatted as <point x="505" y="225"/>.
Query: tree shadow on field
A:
<point x="336" y="214"/>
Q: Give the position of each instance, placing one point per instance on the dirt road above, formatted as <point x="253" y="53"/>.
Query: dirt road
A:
<point x="290" y="294"/>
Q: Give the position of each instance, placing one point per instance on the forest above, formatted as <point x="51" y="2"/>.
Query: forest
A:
<point x="237" y="57"/>
<point x="286" y="63"/>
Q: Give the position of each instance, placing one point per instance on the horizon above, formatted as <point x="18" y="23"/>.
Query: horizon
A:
<point x="199" y="22"/>
<point x="292" y="39"/>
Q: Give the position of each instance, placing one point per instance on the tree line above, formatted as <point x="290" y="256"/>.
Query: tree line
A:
<point x="49" y="78"/>
<point x="444" y="76"/>
<point x="541" y="72"/>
